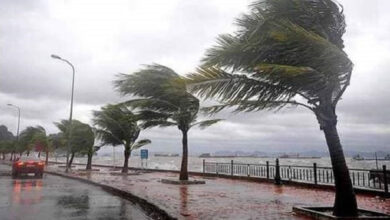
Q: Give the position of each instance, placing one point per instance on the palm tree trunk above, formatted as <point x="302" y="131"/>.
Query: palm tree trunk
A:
<point x="345" y="202"/>
<point x="89" y="162"/>
<point x="12" y="155"/>
<point x="71" y="160"/>
<point x="47" y="157"/>
<point x="184" y="158"/>
<point x="127" y="153"/>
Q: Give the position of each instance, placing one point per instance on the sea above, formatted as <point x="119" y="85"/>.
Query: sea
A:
<point x="195" y="163"/>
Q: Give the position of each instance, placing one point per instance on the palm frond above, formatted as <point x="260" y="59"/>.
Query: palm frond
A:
<point x="140" y="144"/>
<point x="152" y="115"/>
<point x="30" y="136"/>
<point x="287" y="47"/>
<point x="279" y="41"/>
<point x="251" y="105"/>
<point x="304" y="80"/>
<point x="228" y="52"/>
<point x="214" y="82"/>
<point x="151" y="81"/>
<point x="116" y="124"/>
<point x="82" y="138"/>
<point x="108" y="138"/>
<point x="324" y="17"/>
<point x="152" y="104"/>
<point x="157" y="123"/>
<point x="206" y="123"/>
<point x="164" y="100"/>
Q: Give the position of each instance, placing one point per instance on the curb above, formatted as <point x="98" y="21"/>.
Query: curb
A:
<point x="150" y="209"/>
<point x="320" y="213"/>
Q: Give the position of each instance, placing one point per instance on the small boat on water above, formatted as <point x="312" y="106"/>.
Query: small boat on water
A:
<point x="207" y="155"/>
<point x="357" y="157"/>
<point x="165" y="155"/>
<point x="297" y="156"/>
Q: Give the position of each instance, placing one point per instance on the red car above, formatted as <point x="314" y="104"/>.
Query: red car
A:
<point x="26" y="165"/>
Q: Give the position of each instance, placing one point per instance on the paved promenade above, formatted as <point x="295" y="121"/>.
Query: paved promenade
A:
<point x="222" y="198"/>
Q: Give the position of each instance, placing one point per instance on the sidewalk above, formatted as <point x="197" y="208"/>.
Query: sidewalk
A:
<point x="221" y="198"/>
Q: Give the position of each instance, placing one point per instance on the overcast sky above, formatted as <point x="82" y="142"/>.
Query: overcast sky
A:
<point x="104" y="37"/>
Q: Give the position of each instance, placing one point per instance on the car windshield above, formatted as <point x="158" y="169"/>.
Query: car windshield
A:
<point x="29" y="158"/>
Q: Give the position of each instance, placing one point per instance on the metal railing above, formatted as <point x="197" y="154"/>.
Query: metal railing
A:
<point x="363" y="178"/>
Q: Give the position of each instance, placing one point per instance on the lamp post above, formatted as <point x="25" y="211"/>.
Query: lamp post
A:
<point x="71" y="110"/>
<point x="17" y="131"/>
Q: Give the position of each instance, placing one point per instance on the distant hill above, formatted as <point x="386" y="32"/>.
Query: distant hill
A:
<point x="5" y="135"/>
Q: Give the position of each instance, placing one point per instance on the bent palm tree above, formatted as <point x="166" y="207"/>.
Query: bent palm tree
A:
<point x="6" y="146"/>
<point x="42" y="143"/>
<point x="117" y="125"/>
<point x="35" y="138"/>
<point x="164" y="102"/>
<point x="56" y="142"/>
<point x="82" y="137"/>
<point x="285" y="51"/>
<point x="6" y="141"/>
<point x="30" y="138"/>
<point x="90" y="152"/>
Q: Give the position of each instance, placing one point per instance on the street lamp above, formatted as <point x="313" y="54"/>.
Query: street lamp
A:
<point x="71" y="110"/>
<point x="17" y="131"/>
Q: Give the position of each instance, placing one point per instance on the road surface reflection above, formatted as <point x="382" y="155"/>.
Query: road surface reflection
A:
<point x="31" y="190"/>
<point x="59" y="198"/>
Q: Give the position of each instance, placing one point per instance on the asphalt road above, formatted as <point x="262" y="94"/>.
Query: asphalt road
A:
<point x="55" y="198"/>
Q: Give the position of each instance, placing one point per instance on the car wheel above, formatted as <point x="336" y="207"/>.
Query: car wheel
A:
<point x="39" y="175"/>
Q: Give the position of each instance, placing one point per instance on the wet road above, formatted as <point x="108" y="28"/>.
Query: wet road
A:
<point x="57" y="198"/>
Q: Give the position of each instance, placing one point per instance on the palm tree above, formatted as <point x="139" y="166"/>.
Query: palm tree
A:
<point x="7" y="141"/>
<point x="42" y="143"/>
<point x="35" y="138"/>
<point x="91" y="151"/>
<point x="117" y="125"/>
<point x="56" y="141"/>
<point x="164" y="102"/>
<point x="6" y="146"/>
<point x="82" y="140"/>
<point x="285" y="52"/>
<point x="30" y="139"/>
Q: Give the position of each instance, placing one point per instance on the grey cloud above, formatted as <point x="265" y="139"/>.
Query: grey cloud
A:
<point x="99" y="49"/>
